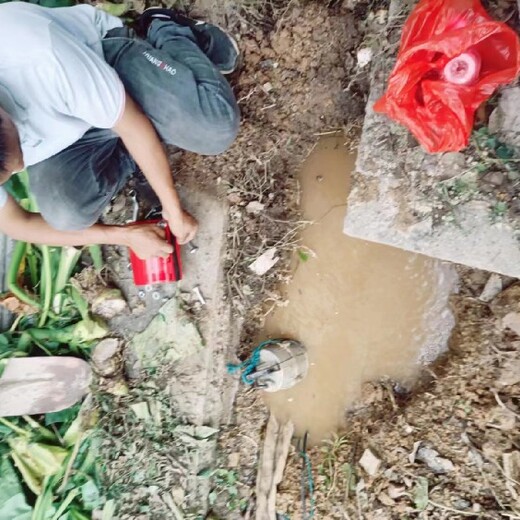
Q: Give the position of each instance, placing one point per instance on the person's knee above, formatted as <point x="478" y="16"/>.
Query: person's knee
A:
<point x="63" y="218"/>
<point x="221" y="134"/>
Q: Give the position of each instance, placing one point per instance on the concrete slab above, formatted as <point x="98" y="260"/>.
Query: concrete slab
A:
<point x="396" y="196"/>
<point x="201" y="390"/>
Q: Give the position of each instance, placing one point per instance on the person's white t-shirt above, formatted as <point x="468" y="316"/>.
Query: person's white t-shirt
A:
<point x="54" y="81"/>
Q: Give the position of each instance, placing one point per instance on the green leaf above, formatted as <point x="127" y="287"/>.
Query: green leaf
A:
<point x="492" y="142"/>
<point x="97" y="255"/>
<point x="109" y="510"/>
<point x="3" y="364"/>
<point x="482" y="168"/>
<point x="64" y="416"/>
<point x="504" y="152"/>
<point x="74" y="514"/>
<point x="206" y="473"/>
<point x="113" y="9"/>
<point x="13" y="505"/>
<point x="90" y="495"/>
<point x="420" y="494"/>
<point x="16" y="188"/>
<point x="53" y="3"/>
<point x="212" y="498"/>
<point x="303" y="255"/>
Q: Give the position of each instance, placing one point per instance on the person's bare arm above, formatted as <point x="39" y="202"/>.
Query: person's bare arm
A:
<point x="143" y="143"/>
<point x="145" y="240"/>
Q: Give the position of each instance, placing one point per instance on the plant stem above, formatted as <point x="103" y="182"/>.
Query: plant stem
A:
<point x="32" y="262"/>
<point x="46" y="285"/>
<point x="12" y="274"/>
<point x="97" y="257"/>
<point x="71" y="461"/>
<point x="44" y="432"/>
<point x="13" y="427"/>
<point x="66" y="503"/>
<point x="68" y="260"/>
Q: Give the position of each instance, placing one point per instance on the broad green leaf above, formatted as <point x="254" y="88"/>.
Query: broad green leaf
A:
<point x="16" y="187"/>
<point x="65" y="416"/>
<point x="13" y="505"/>
<point x="4" y="341"/>
<point x="90" y="495"/>
<point x="420" y="494"/>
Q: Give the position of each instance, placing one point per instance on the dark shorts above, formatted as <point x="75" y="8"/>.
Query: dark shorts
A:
<point x="189" y="102"/>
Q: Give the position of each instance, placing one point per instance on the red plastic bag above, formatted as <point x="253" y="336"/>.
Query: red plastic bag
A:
<point x="438" y="112"/>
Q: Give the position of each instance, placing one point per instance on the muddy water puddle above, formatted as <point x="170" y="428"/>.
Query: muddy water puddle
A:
<point x="363" y="310"/>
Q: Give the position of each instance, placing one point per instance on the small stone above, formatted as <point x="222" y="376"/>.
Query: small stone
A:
<point x="461" y="503"/>
<point x="109" y="304"/>
<point x="364" y="56"/>
<point x="234" y="198"/>
<point x="492" y="288"/>
<point x="255" y="207"/>
<point x="178" y="495"/>
<point x="511" y="321"/>
<point x="494" y="178"/>
<point x="396" y="492"/>
<point x="267" y="87"/>
<point x="370" y="463"/>
<point x="105" y="357"/>
<point x="385" y="499"/>
<point x="234" y="460"/>
<point x="431" y="458"/>
<point x="265" y="262"/>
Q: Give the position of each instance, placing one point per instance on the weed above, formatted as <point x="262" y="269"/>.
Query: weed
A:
<point x="329" y="466"/>
<point x="226" y="485"/>
<point x="499" y="211"/>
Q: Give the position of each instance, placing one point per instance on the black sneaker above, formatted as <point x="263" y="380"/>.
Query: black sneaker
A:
<point x="219" y="46"/>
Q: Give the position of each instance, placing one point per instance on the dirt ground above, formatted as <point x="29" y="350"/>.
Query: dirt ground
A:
<point x="465" y="410"/>
<point x="300" y="79"/>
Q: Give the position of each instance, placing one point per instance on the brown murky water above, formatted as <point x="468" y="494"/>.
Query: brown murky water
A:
<point x="363" y="310"/>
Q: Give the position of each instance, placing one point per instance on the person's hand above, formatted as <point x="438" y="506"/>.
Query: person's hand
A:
<point x="147" y="240"/>
<point x="182" y="225"/>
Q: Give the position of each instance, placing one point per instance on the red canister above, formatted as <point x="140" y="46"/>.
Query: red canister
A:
<point x="158" y="269"/>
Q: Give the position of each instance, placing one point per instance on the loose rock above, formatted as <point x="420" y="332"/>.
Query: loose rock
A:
<point x="255" y="207"/>
<point x="432" y="459"/>
<point x="106" y="357"/>
<point x="512" y="321"/>
<point x="492" y="288"/>
<point x="265" y="262"/>
<point x="370" y="463"/>
<point x="109" y="304"/>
